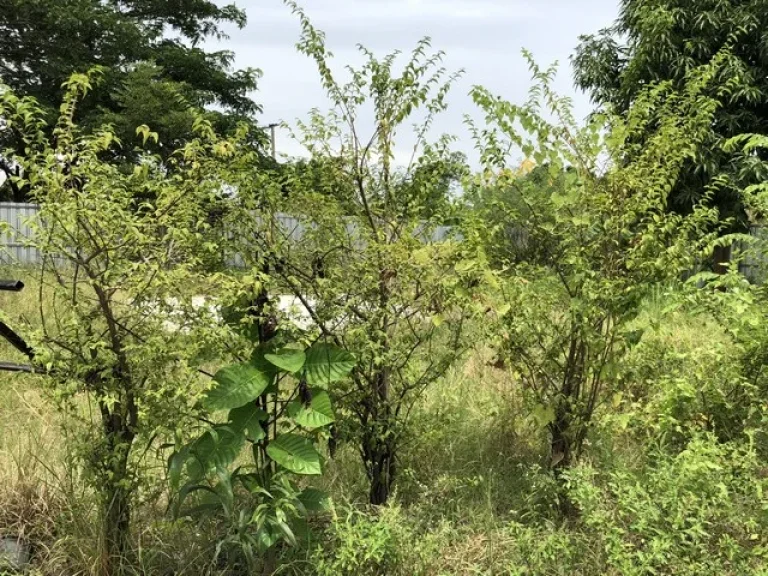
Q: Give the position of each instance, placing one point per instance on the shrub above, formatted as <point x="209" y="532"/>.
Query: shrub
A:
<point x="700" y="512"/>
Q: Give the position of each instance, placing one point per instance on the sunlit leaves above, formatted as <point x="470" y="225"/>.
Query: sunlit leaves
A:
<point x="296" y="454"/>
<point x="234" y="386"/>
<point x="326" y="364"/>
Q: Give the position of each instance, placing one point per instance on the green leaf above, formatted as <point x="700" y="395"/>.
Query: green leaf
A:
<point x="296" y="454"/>
<point x="259" y="361"/>
<point x="247" y="419"/>
<point x="543" y="415"/>
<point x="236" y="385"/>
<point x="326" y="364"/>
<point x="465" y="265"/>
<point x="287" y="359"/>
<point x="287" y="532"/>
<point x="314" y="500"/>
<point x="217" y="448"/>
<point x="319" y="413"/>
<point x="175" y="465"/>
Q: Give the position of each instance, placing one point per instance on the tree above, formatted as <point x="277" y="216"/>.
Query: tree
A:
<point x="664" y="40"/>
<point x="607" y="235"/>
<point x="122" y="329"/>
<point x="153" y="66"/>
<point x="361" y="260"/>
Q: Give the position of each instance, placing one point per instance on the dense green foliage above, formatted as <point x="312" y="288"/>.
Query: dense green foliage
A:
<point x="325" y="380"/>
<point x="365" y="267"/>
<point x="278" y="405"/>
<point x="605" y="238"/>
<point x="655" y="41"/>
<point x="153" y="66"/>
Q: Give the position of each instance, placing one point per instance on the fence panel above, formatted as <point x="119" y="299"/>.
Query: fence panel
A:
<point x="15" y="219"/>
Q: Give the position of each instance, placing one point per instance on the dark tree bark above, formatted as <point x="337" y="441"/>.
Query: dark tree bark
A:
<point x="118" y="427"/>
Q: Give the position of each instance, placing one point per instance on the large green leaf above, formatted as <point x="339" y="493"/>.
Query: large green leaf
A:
<point x="314" y="500"/>
<point x="217" y="448"/>
<point x="319" y="413"/>
<point x="259" y="360"/>
<point x="247" y="419"/>
<point x="236" y="385"/>
<point x="287" y="359"/>
<point x="295" y="453"/>
<point x="326" y="364"/>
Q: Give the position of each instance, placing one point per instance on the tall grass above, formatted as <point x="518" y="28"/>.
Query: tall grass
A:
<point x="474" y="496"/>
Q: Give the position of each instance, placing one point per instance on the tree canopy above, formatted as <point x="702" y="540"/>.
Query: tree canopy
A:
<point x="151" y="55"/>
<point x="663" y="40"/>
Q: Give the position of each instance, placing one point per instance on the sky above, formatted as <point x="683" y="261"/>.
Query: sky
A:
<point x="483" y="37"/>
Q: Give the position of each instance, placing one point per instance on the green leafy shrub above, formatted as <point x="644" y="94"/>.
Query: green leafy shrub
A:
<point x="697" y="513"/>
<point x="680" y="383"/>
<point x="383" y="543"/>
<point x="278" y="407"/>
<point x="606" y="233"/>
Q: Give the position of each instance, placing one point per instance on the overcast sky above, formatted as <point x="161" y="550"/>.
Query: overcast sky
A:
<point x="483" y="37"/>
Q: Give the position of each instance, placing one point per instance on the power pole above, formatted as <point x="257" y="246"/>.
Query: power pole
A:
<point x="273" y="132"/>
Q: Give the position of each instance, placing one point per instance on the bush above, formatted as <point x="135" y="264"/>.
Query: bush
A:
<point x="373" y="544"/>
<point x="700" y="512"/>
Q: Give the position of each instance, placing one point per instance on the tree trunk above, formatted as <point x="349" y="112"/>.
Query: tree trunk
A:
<point x="382" y="472"/>
<point x="560" y="443"/>
<point x="116" y="525"/>
<point x="269" y="565"/>
<point x="562" y="457"/>
<point x="117" y="488"/>
<point x="379" y="451"/>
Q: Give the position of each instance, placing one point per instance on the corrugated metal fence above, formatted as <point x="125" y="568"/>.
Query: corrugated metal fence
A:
<point x="16" y="232"/>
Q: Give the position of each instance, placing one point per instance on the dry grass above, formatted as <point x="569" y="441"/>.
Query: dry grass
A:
<point x="470" y="465"/>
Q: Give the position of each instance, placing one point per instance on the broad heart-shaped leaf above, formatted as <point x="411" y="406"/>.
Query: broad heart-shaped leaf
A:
<point x="247" y="419"/>
<point x="319" y="413"/>
<point x="326" y="364"/>
<point x="314" y="500"/>
<point x="287" y="359"/>
<point x="217" y="448"/>
<point x="259" y="360"/>
<point x="296" y="454"/>
<point x="236" y="385"/>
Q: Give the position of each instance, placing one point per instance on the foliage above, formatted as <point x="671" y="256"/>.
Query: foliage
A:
<point x="540" y="357"/>
<point x="361" y="261"/>
<point x="359" y="543"/>
<point x="664" y="41"/>
<point x="698" y="512"/>
<point x="679" y="389"/>
<point x="606" y="233"/>
<point x="279" y="408"/>
<point x="116" y="271"/>
<point x="154" y="67"/>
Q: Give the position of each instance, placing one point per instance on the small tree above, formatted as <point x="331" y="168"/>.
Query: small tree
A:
<point x="121" y="329"/>
<point x="606" y="234"/>
<point x="362" y="260"/>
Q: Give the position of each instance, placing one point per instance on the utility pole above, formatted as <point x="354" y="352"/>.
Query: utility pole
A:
<point x="273" y="132"/>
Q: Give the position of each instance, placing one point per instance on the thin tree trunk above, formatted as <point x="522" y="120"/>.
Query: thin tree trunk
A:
<point x="270" y="562"/>
<point x="117" y="490"/>
<point x="560" y="443"/>
<point x="562" y="457"/>
<point x="382" y="472"/>
<point x="117" y="522"/>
